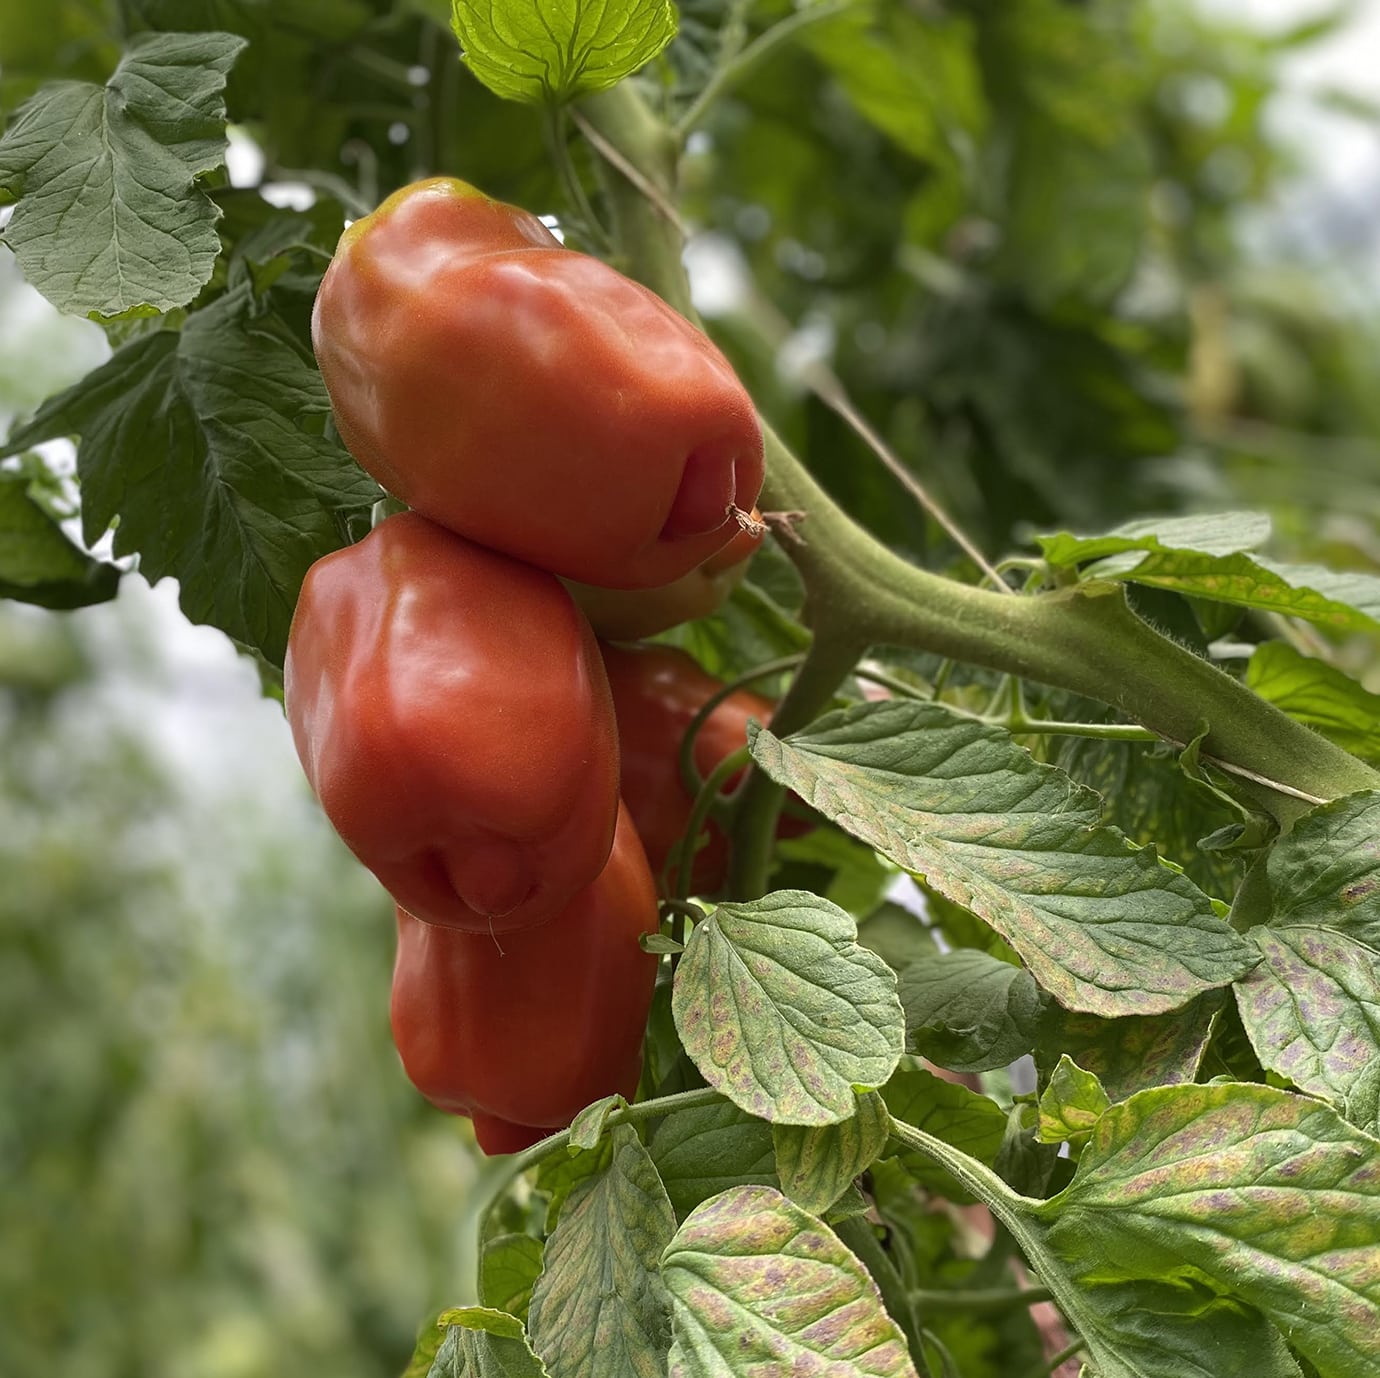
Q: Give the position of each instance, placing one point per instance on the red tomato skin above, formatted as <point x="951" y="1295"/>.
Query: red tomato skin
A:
<point x="657" y="690"/>
<point x="530" y="397"/>
<point x="450" y="709"/>
<point x="523" y="1031"/>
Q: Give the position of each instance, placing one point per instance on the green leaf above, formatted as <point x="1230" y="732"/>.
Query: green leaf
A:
<point x="704" y="1150"/>
<point x="1221" y="533"/>
<point x="208" y="444"/>
<point x="588" y="1127"/>
<point x="38" y="564"/>
<point x="1101" y="925"/>
<point x="760" y="1286"/>
<point x="783" y="1011"/>
<point x="968" y="1011"/>
<point x="1312" y="1007"/>
<point x="1071" y="1104"/>
<point x="1207" y="557"/>
<point x="817" y="1164"/>
<point x="508" y="1270"/>
<point x="1266" y="1196"/>
<point x="1135" y="1052"/>
<point x="481" y="1343"/>
<point x="598" y="1309"/>
<point x="1318" y="694"/>
<point x="111" y="220"/>
<point x="540" y="50"/>
<point x="1184" y="1330"/>
<point x="961" y="1118"/>
<point x="1190" y="1197"/>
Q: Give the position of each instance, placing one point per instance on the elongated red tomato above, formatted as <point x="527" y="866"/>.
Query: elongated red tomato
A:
<point x="530" y="397"/>
<point x="657" y="690"/>
<point x="451" y="712"/>
<point x="523" y="1032"/>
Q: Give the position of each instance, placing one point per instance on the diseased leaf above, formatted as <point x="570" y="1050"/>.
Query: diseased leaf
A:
<point x="817" y="1164"/>
<point x="1135" y="1052"/>
<point x="969" y="1011"/>
<point x="111" y="219"/>
<point x="1071" y="1104"/>
<point x="208" y="443"/>
<point x="482" y="1343"/>
<point x="1318" y="694"/>
<point x="508" y="1270"/>
<point x="1189" y="1196"/>
<point x="707" y="1149"/>
<point x="1101" y="925"/>
<point x="783" y="1011"/>
<point x="598" y="1309"/>
<point x="1312" y="1007"/>
<point x="1268" y="1196"/>
<point x="759" y="1286"/>
<point x="553" y="50"/>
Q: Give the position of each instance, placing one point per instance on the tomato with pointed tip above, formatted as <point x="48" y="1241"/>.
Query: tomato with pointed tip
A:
<point x="631" y="614"/>
<point x="530" y="397"/>
<point x="522" y="1033"/>
<point x="450" y="708"/>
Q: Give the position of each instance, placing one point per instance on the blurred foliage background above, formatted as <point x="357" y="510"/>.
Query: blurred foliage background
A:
<point x="1077" y="261"/>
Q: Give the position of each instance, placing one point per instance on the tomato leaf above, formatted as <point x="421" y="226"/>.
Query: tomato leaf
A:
<point x="705" y="1149"/>
<point x="537" y="51"/>
<point x="598" y="1309"/>
<point x="113" y="221"/>
<point x="38" y="564"/>
<point x="1320" y="695"/>
<point x="508" y="1270"/>
<point x="1070" y="1105"/>
<point x="1101" y="925"/>
<point x="782" y="1010"/>
<point x="1312" y="1007"/>
<point x="1212" y="558"/>
<point x="759" y="1285"/>
<point x="817" y="1164"/>
<point x="1193" y="1210"/>
<point x="208" y="443"/>
<point x="969" y="1011"/>
<point x="482" y="1343"/>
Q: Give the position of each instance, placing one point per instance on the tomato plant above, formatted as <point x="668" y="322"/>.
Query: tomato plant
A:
<point x="1051" y="1047"/>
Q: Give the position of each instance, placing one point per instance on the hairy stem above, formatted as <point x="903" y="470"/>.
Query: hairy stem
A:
<point x="1083" y="638"/>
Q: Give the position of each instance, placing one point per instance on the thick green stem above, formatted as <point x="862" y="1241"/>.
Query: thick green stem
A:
<point x="1081" y="638"/>
<point x="1084" y="638"/>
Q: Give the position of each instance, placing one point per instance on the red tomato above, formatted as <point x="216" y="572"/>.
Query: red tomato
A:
<point x="657" y="690"/>
<point x="450" y="709"/>
<point x="530" y="397"/>
<point x="522" y="1031"/>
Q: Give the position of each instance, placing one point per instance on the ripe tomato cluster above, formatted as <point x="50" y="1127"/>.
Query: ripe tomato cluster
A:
<point x="578" y="457"/>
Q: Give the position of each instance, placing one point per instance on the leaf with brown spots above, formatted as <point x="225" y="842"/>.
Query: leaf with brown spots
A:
<point x="1100" y="924"/>
<point x="1312" y="1007"/>
<point x="783" y="1011"/>
<point x="760" y="1288"/>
